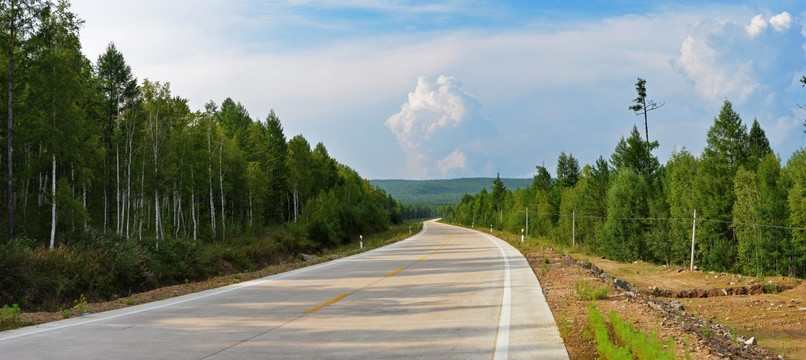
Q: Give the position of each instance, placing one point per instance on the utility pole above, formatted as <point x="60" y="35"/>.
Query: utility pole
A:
<point x="527" y="221"/>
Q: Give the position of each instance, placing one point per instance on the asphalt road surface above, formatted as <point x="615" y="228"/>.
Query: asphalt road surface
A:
<point x="447" y="292"/>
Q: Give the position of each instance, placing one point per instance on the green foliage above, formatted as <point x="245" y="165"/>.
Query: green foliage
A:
<point x="10" y="314"/>
<point x="567" y="170"/>
<point x="624" y="233"/>
<point x="81" y="305"/>
<point x="640" y="345"/>
<point x="604" y="346"/>
<point x="586" y="291"/>
<point x="681" y="174"/>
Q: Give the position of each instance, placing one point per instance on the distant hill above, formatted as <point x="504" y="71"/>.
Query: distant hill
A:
<point x="441" y="192"/>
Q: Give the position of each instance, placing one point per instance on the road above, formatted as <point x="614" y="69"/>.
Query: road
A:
<point x="447" y="292"/>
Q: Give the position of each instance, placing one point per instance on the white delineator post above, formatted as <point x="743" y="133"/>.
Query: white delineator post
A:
<point x="521" y="236"/>
<point x="693" y="232"/>
<point x="361" y="241"/>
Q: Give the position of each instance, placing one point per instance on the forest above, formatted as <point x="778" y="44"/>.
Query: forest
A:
<point x="115" y="185"/>
<point x="750" y="209"/>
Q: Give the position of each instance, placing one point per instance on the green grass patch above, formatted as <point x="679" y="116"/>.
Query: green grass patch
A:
<point x="616" y="339"/>
<point x="586" y="291"/>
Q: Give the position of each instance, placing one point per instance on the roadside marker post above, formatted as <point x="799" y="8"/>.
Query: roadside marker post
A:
<point x="361" y="241"/>
<point x="521" y="236"/>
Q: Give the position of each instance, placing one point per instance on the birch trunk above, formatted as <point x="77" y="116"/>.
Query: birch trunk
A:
<point x="117" y="190"/>
<point x="210" y="177"/>
<point x="221" y="187"/>
<point x="53" y="203"/>
<point x="193" y="202"/>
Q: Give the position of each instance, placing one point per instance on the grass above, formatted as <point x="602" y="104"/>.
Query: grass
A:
<point x="586" y="291"/>
<point x="604" y="346"/>
<point x="626" y="342"/>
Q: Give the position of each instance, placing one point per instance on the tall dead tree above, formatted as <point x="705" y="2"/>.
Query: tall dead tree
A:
<point x="643" y="106"/>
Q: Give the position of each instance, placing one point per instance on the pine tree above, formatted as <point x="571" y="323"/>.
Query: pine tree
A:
<point x="725" y="152"/>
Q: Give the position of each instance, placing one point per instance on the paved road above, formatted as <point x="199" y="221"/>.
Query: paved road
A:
<point x="446" y="293"/>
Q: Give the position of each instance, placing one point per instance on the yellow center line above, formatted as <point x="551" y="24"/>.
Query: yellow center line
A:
<point x="424" y="256"/>
<point x="337" y="298"/>
<point x="436" y="249"/>
<point x="394" y="272"/>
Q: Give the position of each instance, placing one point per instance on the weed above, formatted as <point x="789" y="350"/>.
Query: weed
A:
<point x="130" y="301"/>
<point x="770" y="289"/>
<point x="66" y="313"/>
<point x="81" y="305"/>
<point x="705" y="332"/>
<point x="10" y="314"/>
<point x="605" y="348"/>
<point x="565" y="327"/>
<point x="586" y="291"/>
<point x="641" y="345"/>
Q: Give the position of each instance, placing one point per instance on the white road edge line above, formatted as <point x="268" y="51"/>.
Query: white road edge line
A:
<point x="27" y="331"/>
<point x="502" y="335"/>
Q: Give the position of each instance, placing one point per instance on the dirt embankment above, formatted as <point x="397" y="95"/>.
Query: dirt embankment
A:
<point x="682" y="316"/>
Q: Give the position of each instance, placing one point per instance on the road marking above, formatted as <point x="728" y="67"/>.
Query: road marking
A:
<point x="424" y="256"/>
<point x="394" y="272"/>
<point x="502" y="335"/>
<point x="437" y="249"/>
<point x="331" y="301"/>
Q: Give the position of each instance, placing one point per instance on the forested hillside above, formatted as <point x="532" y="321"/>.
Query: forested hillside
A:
<point x="440" y="192"/>
<point x="129" y="188"/>
<point x="750" y="208"/>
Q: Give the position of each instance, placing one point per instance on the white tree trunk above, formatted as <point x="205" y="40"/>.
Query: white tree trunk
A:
<point x="221" y="186"/>
<point x="53" y="205"/>
<point x="295" y="202"/>
<point x="142" y="199"/>
<point x="210" y="177"/>
<point x="117" y="190"/>
<point x="193" y="202"/>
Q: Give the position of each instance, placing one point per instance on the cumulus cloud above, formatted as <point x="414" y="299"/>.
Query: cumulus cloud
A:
<point x="456" y="159"/>
<point x="437" y="116"/>
<point x="757" y="25"/>
<point x="781" y="21"/>
<point x="722" y="63"/>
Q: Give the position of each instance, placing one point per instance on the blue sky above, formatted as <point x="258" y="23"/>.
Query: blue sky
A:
<point x="443" y="89"/>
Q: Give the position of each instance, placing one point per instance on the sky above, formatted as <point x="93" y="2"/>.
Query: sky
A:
<point x="445" y="89"/>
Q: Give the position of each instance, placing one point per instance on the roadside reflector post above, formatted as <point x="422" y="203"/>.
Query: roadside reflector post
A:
<point x="361" y="241"/>
<point x="521" y="236"/>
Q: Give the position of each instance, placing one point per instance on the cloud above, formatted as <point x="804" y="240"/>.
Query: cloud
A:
<point x="436" y="115"/>
<point x="456" y="159"/>
<point x="432" y="106"/>
<point x="781" y="21"/>
<point x="723" y="63"/>
<point x="757" y="25"/>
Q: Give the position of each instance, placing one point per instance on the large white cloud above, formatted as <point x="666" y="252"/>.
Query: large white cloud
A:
<point x="722" y="63"/>
<point x="436" y="117"/>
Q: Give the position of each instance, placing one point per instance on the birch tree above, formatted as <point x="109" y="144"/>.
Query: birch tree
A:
<point x="19" y="22"/>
